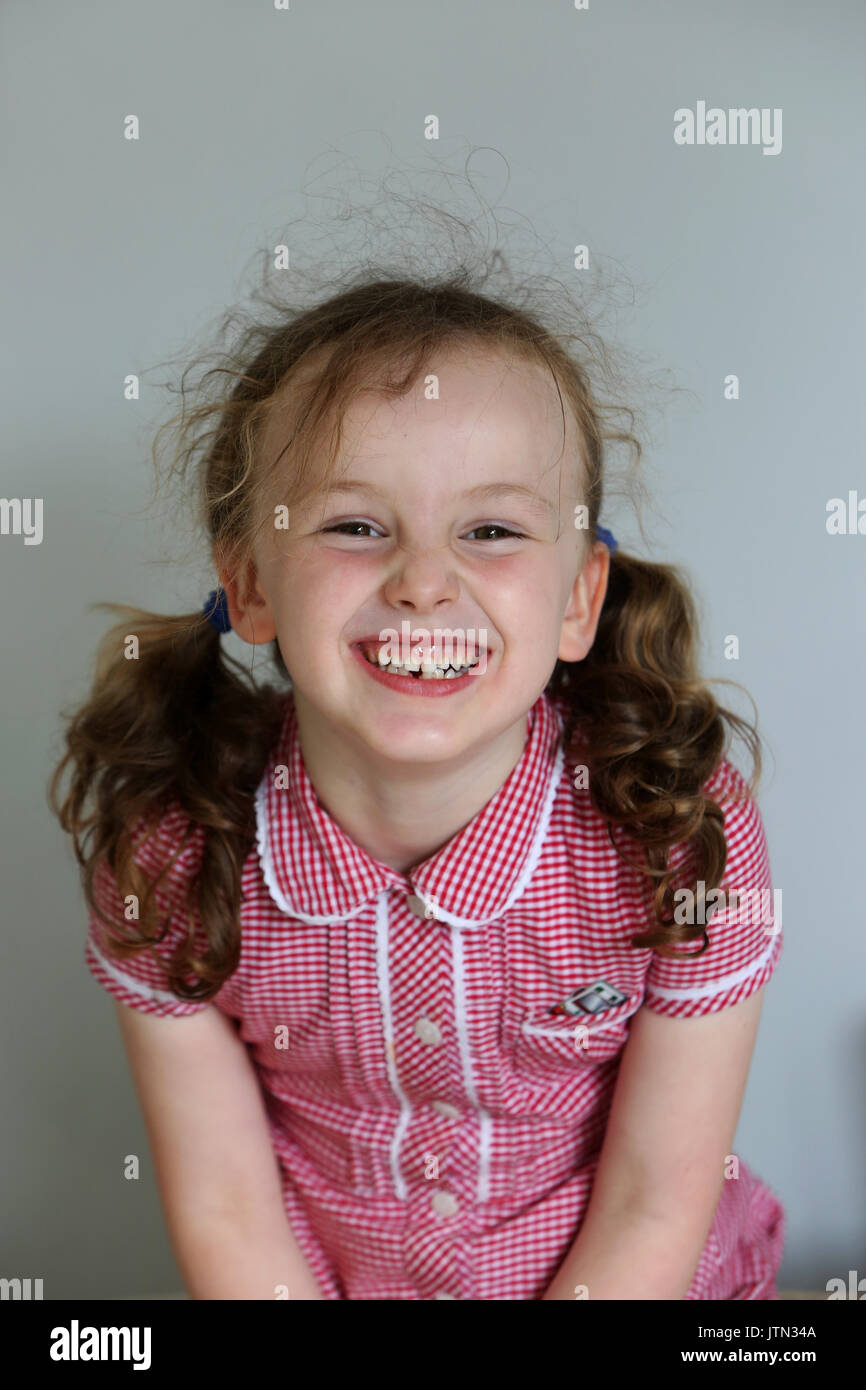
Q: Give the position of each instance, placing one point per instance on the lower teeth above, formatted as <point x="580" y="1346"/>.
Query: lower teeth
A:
<point x="440" y="674"/>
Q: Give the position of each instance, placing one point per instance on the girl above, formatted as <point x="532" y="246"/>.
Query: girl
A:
<point x="415" y="960"/>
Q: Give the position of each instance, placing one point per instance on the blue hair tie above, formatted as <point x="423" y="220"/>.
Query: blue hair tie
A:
<point x="602" y="534"/>
<point x="216" y="610"/>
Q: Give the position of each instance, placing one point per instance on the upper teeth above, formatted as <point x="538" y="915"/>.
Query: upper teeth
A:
<point x="428" y="669"/>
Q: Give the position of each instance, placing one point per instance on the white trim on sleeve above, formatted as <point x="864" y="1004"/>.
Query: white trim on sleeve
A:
<point x="711" y="988"/>
<point x="158" y="996"/>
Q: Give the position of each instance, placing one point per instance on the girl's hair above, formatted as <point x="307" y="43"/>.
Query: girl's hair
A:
<point x="184" y="725"/>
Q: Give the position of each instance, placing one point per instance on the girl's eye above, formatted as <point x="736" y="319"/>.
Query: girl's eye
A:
<point x="504" y="531"/>
<point x="347" y="528"/>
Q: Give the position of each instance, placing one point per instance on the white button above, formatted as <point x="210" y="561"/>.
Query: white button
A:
<point x="446" y="1295"/>
<point x="425" y="1029"/>
<point x="444" y="1203"/>
<point x="443" y="1108"/>
<point x="418" y="906"/>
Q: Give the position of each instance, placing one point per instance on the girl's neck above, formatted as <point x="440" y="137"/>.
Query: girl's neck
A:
<point x="401" y="814"/>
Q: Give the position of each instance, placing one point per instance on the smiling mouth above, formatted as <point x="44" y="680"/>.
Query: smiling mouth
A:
<point x="415" y="669"/>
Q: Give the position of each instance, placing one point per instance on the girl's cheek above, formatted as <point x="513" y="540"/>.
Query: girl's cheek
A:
<point x="342" y="580"/>
<point x="328" y="569"/>
<point x="523" y="585"/>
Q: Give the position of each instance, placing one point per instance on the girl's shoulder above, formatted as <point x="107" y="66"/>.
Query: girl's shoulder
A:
<point x="167" y="838"/>
<point x="741" y="915"/>
<point x="726" y="786"/>
<point x="166" y="846"/>
<point x="744" y="832"/>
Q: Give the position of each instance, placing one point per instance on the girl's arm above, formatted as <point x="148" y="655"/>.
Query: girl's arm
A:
<point x="661" y="1168"/>
<point x="212" y="1151"/>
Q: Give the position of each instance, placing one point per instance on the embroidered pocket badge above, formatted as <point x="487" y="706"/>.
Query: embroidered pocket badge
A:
<point x="591" y="999"/>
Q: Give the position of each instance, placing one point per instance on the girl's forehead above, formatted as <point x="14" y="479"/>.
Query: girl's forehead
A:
<point x="475" y="386"/>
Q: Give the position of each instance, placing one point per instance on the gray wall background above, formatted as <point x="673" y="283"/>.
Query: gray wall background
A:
<point x="117" y="254"/>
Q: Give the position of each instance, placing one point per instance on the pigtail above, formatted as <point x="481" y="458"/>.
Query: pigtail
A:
<point x="651" y="734"/>
<point x="171" y="721"/>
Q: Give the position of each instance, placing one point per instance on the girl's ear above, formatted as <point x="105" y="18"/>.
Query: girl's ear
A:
<point x="249" y="608"/>
<point x="584" y="608"/>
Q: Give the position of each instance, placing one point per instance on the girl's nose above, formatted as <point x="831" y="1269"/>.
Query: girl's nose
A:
<point x="422" y="580"/>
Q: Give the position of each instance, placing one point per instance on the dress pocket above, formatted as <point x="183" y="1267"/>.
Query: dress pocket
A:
<point x="561" y="1043"/>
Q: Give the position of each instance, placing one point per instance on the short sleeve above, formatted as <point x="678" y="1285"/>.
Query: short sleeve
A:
<point x="743" y="925"/>
<point x="141" y="980"/>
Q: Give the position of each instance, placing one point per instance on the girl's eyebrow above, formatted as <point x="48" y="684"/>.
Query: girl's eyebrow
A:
<point x="484" y="491"/>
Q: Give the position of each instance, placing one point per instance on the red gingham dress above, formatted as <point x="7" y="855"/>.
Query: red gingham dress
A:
<point x="437" y="1128"/>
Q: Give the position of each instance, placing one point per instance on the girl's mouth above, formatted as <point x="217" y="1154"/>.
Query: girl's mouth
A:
<point x="415" y="679"/>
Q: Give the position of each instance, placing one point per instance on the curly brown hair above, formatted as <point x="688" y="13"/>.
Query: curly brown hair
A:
<point x="184" y="724"/>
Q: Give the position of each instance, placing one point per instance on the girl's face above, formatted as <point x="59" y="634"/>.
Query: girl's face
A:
<point x="452" y="512"/>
